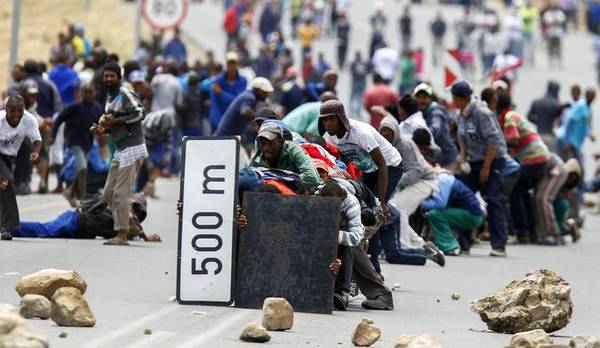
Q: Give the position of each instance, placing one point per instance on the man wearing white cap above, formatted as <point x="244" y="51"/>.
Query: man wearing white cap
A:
<point x="242" y="110"/>
<point x="438" y="122"/>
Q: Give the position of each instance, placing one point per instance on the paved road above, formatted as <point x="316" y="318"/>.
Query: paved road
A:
<point x="129" y="288"/>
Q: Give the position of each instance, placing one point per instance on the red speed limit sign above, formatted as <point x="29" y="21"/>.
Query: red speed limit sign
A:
<point x="164" y="14"/>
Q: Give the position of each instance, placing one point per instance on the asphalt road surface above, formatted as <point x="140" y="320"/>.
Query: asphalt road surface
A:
<point x="129" y="287"/>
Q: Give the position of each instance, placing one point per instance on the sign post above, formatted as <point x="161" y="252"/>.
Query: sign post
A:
<point x="164" y="14"/>
<point x="207" y="230"/>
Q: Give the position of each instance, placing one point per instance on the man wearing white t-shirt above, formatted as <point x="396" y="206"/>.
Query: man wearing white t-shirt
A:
<point x="362" y="144"/>
<point x="15" y="125"/>
<point x="385" y="61"/>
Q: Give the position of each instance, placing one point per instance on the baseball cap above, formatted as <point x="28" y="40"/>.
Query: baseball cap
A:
<point x="332" y="108"/>
<point x="30" y="87"/>
<point x="232" y="56"/>
<point x="136" y="76"/>
<point x="500" y="84"/>
<point x="263" y="84"/>
<point x="423" y="87"/>
<point x="461" y="89"/>
<point x="270" y="131"/>
<point x="265" y="114"/>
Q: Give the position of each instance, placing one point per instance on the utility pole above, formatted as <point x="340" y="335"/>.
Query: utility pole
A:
<point x="14" y="38"/>
<point x="138" y="24"/>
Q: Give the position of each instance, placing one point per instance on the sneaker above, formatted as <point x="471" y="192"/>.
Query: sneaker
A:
<point x="434" y="254"/>
<point x="512" y="239"/>
<point x="6" y="235"/>
<point x="453" y="252"/>
<point x="498" y="253"/>
<point x="340" y="301"/>
<point x="466" y="252"/>
<point x="430" y="248"/>
<point x="550" y="240"/>
<point x="383" y="302"/>
<point x="22" y="189"/>
<point x="354" y="289"/>
<point x="573" y="229"/>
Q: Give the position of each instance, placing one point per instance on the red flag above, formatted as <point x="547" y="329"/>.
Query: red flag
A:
<point x="449" y="77"/>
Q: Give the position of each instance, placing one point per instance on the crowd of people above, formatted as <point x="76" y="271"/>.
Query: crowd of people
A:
<point x="424" y="178"/>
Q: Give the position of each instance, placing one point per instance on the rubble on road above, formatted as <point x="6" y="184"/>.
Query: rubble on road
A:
<point x="584" y="342"/>
<point x="540" y="301"/>
<point x="16" y="332"/>
<point x="365" y="334"/>
<point x="255" y="333"/>
<point x="34" y="306"/>
<point x="47" y="281"/>
<point x="278" y="314"/>
<point x="417" y="341"/>
<point x="69" y="308"/>
<point x="530" y="339"/>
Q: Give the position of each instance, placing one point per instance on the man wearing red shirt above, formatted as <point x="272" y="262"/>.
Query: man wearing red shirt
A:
<point x="379" y="94"/>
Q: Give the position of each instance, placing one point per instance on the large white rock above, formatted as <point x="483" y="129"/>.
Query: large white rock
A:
<point x="15" y="332"/>
<point x="417" y="341"/>
<point x="34" y="306"/>
<point x="47" y="281"/>
<point x="540" y="301"/>
<point x="365" y="334"/>
<point x="278" y="314"/>
<point x="69" y="308"/>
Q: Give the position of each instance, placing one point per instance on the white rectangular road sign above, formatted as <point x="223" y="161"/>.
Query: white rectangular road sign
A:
<point x="207" y="236"/>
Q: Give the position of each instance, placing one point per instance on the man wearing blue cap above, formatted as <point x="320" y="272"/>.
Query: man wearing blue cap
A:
<point x="483" y="146"/>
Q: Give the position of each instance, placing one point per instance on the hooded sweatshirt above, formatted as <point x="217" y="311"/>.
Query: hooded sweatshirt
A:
<point x="414" y="167"/>
<point x="358" y="142"/>
<point x="546" y="110"/>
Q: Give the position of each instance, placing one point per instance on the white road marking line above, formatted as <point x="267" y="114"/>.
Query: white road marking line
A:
<point x="147" y="340"/>
<point x="39" y="207"/>
<point x="133" y="326"/>
<point x="10" y="273"/>
<point x="224" y="325"/>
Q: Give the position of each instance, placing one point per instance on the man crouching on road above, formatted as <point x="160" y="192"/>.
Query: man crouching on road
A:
<point x="123" y="120"/>
<point x="15" y="125"/>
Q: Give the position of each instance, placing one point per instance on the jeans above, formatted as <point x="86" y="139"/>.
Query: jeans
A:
<point x="493" y="191"/>
<point x="388" y="240"/>
<point x="371" y="180"/>
<point x="521" y="202"/>
<point x="356" y="98"/>
<point x="9" y="211"/>
<point x="65" y="225"/>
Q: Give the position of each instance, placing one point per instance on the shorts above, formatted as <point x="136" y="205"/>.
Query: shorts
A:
<point x="156" y="154"/>
<point x="81" y="158"/>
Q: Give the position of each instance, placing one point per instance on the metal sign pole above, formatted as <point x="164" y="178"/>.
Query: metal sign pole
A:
<point x="138" y="24"/>
<point x="14" y="38"/>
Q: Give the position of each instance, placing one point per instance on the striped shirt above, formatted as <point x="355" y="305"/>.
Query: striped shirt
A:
<point x="520" y="135"/>
<point x="353" y="231"/>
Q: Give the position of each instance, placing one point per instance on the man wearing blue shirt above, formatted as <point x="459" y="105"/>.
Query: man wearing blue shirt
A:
<point x="242" y="110"/>
<point x="225" y="88"/>
<point x="176" y="48"/>
<point x="577" y="126"/>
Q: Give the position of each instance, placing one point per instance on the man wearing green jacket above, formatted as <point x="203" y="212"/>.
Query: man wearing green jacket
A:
<point x="274" y="152"/>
